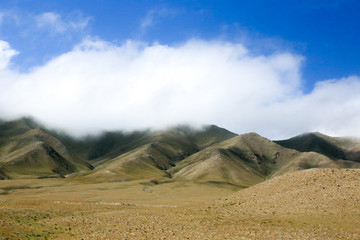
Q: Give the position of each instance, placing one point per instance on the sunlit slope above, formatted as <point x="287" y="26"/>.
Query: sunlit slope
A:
<point x="28" y="151"/>
<point x="209" y="154"/>
<point x="309" y="204"/>
<point x="345" y="148"/>
<point x="108" y="145"/>
<point x="162" y="151"/>
<point x="248" y="159"/>
<point x="326" y="191"/>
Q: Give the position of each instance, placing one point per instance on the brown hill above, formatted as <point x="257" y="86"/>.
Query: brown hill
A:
<point x="308" y="190"/>
<point x="310" y="204"/>
<point x="248" y="159"/>
<point x="210" y="154"/>
<point x="26" y="151"/>
<point x="346" y="148"/>
<point x="162" y="151"/>
<point x="29" y="149"/>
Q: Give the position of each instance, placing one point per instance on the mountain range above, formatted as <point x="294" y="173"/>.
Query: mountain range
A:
<point x="210" y="154"/>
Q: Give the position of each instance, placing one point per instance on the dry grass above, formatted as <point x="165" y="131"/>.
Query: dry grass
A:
<point x="311" y="204"/>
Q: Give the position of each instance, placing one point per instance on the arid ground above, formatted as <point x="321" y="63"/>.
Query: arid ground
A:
<point x="307" y="204"/>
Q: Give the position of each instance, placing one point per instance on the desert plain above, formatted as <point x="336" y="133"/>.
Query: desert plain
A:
<point x="307" y="204"/>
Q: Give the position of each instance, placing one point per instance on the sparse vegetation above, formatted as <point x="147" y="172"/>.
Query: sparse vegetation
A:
<point x="180" y="183"/>
<point x="310" y="204"/>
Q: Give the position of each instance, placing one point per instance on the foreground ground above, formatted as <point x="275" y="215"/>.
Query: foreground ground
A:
<point x="310" y="204"/>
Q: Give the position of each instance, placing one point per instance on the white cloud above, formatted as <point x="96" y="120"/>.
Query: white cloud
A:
<point x="51" y="20"/>
<point x="331" y="108"/>
<point x="99" y="86"/>
<point x="153" y="17"/>
<point x="6" y="53"/>
<point x="55" y="23"/>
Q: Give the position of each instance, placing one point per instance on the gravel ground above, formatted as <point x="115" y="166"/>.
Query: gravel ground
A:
<point x="310" y="204"/>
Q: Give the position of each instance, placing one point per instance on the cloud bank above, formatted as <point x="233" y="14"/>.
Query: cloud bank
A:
<point x="101" y="86"/>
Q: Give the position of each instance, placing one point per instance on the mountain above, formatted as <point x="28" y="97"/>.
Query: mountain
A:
<point x="26" y="150"/>
<point x="248" y="159"/>
<point x="346" y="148"/>
<point x="210" y="154"/>
<point x="158" y="152"/>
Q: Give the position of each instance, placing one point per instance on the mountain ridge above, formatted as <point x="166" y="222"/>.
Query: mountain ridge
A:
<point x="210" y="154"/>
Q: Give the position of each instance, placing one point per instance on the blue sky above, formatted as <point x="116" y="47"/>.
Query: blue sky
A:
<point x="304" y="51"/>
<point x="325" y="32"/>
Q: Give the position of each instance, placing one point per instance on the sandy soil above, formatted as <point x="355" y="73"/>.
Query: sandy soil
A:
<point x="311" y="204"/>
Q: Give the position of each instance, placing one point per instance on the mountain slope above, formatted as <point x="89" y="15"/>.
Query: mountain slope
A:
<point x="248" y="159"/>
<point x="310" y="187"/>
<point x="345" y="148"/>
<point x="210" y="154"/>
<point x="161" y="151"/>
<point x="107" y="145"/>
<point x="309" y="204"/>
<point x="26" y="151"/>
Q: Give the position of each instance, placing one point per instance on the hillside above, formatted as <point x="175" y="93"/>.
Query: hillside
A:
<point x="157" y="153"/>
<point x="28" y="151"/>
<point x="346" y="148"/>
<point x="310" y="204"/>
<point x="313" y="187"/>
<point x="210" y="154"/>
<point x="248" y="159"/>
